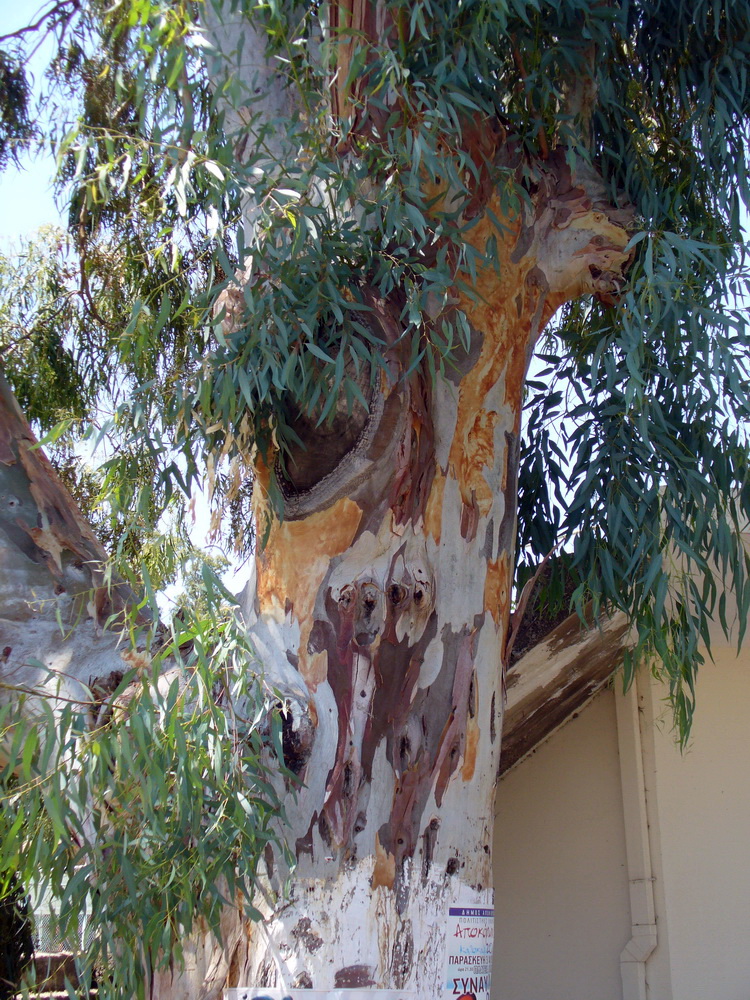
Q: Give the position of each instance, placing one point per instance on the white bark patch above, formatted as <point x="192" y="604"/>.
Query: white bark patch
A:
<point x="360" y="926"/>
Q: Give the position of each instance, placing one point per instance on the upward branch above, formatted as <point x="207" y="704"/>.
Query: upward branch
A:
<point x="58" y="14"/>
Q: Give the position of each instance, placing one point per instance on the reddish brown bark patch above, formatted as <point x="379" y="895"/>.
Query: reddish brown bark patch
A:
<point x="304" y="933"/>
<point x="415" y="468"/>
<point x="353" y="977"/>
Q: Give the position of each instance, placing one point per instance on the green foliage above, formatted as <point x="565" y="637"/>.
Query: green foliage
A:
<point x="53" y="357"/>
<point x="147" y="810"/>
<point x="635" y="457"/>
<point x="17" y="946"/>
<point x="193" y="599"/>
<point x="646" y="440"/>
<point x="654" y="95"/>
<point x="16" y="126"/>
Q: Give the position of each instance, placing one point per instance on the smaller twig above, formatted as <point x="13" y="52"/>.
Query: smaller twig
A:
<point x="11" y="345"/>
<point x="59" y="8"/>
<point x="84" y="291"/>
<point x="41" y="693"/>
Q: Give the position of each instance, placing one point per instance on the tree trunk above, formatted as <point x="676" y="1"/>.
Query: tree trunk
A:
<point x="380" y="609"/>
<point x="380" y="603"/>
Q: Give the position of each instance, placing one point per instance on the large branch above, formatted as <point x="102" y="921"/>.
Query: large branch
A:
<point x="55" y="592"/>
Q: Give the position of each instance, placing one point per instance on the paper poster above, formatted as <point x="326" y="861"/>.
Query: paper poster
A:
<point x="468" y="966"/>
<point x="248" y="993"/>
<point x="468" y="952"/>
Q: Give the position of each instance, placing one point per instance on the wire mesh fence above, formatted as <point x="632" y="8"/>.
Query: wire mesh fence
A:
<point x="47" y="936"/>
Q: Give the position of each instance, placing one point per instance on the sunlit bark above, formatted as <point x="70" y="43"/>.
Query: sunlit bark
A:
<point x="55" y="596"/>
<point x="379" y="607"/>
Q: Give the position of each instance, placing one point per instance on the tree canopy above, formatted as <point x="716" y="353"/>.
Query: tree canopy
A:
<point x="230" y="234"/>
<point x="634" y="448"/>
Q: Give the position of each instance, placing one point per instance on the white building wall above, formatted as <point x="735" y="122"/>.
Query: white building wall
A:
<point x="562" y="900"/>
<point x="561" y="893"/>
<point x="703" y="803"/>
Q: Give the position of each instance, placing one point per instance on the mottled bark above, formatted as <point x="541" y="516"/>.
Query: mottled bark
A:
<point x="380" y="610"/>
<point x="55" y="595"/>
<point x="380" y="607"/>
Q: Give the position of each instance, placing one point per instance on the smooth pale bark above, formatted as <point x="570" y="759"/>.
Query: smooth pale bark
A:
<point x="380" y="610"/>
<point x="380" y="603"/>
<point x="55" y="596"/>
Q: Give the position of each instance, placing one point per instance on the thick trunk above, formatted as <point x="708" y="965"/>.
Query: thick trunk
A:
<point x="380" y="610"/>
<point x="392" y="604"/>
<point x="380" y="603"/>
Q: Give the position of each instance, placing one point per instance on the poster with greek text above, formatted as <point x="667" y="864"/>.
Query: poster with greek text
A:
<point x="468" y="947"/>
<point x="277" y="993"/>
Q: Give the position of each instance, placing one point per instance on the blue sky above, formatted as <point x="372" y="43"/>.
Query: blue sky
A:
<point x="26" y="200"/>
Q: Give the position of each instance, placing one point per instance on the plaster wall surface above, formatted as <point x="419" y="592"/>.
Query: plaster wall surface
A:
<point x="699" y="805"/>
<point x="561" y="891"/>
<point x="561" y="899"/>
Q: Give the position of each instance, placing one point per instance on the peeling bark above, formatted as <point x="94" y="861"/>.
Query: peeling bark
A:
<point x="55" y="594"/>
<point x="380" y="608"/>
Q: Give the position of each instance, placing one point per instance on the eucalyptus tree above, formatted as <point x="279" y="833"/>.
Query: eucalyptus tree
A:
<point x="420" y="195"/>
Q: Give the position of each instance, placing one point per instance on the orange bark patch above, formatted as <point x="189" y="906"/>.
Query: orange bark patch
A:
<point x="503" y="312"/>
<point x="138" y="661"/>
<point x="358" y="25"/>
<point x="316" y="664"/>
<point x="47" y="540"/>
<point x="289" y="568"/>
<point x="497" y="588"/>
<point x="384" y="872"/>
<point x="472" y="454"/>
<point x="433" y="515"/>
<point x="470" y="750"/>
<point x="293" y="564"/>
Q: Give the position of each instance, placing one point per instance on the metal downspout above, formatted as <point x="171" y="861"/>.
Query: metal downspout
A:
<point x="640" y="876"/>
